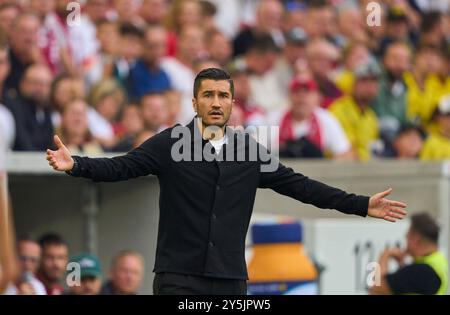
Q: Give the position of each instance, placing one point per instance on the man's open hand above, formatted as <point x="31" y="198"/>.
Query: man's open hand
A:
<point x="61" y="159"/>
<point x="382" y="208"/>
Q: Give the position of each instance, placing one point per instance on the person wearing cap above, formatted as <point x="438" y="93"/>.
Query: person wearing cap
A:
<point x="427" y="274"/>
<point x="307" y="122"/>
<point x="90" y="275"/>
<point x="398" y="28"/>
<point x="437" y="145"/>
<point x="293" y="58"/>
<point x="354" y="113"/>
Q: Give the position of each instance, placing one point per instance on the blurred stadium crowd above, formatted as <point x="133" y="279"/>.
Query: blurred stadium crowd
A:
<point x="44" y="268"/>
<point x="339" y="80"/>
<point x="338" y="85"/>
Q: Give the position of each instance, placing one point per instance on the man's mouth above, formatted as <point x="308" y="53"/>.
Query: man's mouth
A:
<point x="216" y="114"/>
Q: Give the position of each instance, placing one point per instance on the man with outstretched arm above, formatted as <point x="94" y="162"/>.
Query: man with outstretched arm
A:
<point x="206" y="200"/>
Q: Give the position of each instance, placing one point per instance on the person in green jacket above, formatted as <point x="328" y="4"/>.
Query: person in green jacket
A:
<point x="390" y="104"/>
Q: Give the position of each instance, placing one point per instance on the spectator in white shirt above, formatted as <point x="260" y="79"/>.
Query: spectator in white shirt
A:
<point x="305" y="124"/>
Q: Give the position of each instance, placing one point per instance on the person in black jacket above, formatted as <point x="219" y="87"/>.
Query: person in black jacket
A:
<point x="208" y="176"/>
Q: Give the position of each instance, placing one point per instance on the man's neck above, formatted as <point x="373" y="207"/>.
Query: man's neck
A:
<point x="426" y="251"/>
<point x="299" y="117"/>
<point x="76" y="139"/>
<point x="419" y="77"/>
<point x="445" y="132"/>
<point x="361" y="105"/>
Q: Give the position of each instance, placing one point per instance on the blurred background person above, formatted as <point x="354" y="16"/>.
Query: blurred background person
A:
<point x="351" y="24"/>
<point x="182" y="14"/>
<point x="408" y="143"/>
<point x="125" y="275"/>
<point x="107" y="60"/>
<point x="90" y="275"/>
<point x="180" y="68"/>
<point x="268" y="21"/>
<point x="354" y="111"/>
<point x="306" y="129"/>
<point x="146" y="75"/>
<point x="322" y="57"/>
<point x="128" y="12"/>
<point x="292" y="61"/>
<point x="390" y="105"/>
<point x="427" y="274"/>
<point x="253" y="115"/>
<point x="24" y="50"/>
<point x="32" y="112"/>
<point x="434" y="29"/>
<point x="8" y="13"/>
<point x="154" y="11"/>
<point x="173" y="100"/>
<point x="219" y="47"/>
<point x="437" y="145"/>
<point x="133" y="125"/>
<point x="353" y="55"/>
<point x="64" y="89"/>
<point x="29" y="254"/>
<point x="74" y="129"/>
<point x="7" y="122"/>
<point x="107" y="98"/>
<point x="422" y="82"/>
<point x="259" y="60"/>
<point x="52" y="269"/>
<point x="154" y="112"/>
<point x="399" y="28"/>
<point x="129" y="50"/>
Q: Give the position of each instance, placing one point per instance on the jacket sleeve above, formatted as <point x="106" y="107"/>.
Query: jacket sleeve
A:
<point x="295" y="185"/>
<point x="148" y="158"/>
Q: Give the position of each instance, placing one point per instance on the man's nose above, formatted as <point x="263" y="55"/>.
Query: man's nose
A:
<point x="216" y="102"/>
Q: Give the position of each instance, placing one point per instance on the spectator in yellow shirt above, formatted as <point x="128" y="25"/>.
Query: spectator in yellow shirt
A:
<point x="354" y="54"/>
<point x="437" y="145"/>
<point x="353" y="111"/>
<point x="424" y="86"/>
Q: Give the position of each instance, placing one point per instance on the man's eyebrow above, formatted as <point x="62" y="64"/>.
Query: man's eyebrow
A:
<point x="213" y="91"/>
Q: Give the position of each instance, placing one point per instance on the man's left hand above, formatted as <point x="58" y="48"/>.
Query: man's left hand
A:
<point x="382" y="208"/>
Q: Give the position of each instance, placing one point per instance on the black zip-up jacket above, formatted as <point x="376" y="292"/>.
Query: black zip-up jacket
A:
<point x="205" y="206"/>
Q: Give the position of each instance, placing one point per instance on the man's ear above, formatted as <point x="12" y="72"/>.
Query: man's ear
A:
<point x="194" y="104"/>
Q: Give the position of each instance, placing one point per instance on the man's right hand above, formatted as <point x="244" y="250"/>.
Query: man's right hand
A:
<point x="61" y="159"/>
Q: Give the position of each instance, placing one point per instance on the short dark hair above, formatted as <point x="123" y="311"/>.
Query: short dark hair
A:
<point x="26" y="238"/>
<point x="425" y="226"/>
<point x="52" y="239"/>
<point x="263" y="44"/>
<point x="430" y="20"/>
<point x="128" y="29"/>
<point x="215" y="74"/>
